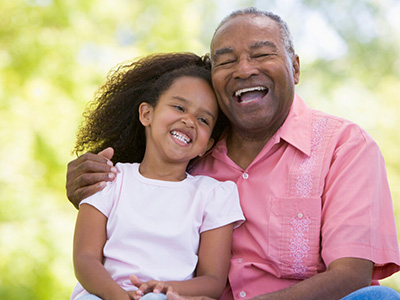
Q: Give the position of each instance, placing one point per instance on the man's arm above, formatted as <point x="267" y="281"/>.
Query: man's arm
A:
<point x="87" y="175"/>
<point x="343" y="276"/>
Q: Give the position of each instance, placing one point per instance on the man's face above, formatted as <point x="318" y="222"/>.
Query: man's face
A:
<point x="253" y="74"/>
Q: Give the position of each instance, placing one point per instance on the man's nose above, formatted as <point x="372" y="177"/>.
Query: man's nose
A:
<point x="245" y="68"/>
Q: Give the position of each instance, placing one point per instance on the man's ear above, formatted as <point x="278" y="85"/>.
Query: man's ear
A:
<point x="210" y="143"/>
<point x="296" y="68"/>
<point x="145" y="113"/>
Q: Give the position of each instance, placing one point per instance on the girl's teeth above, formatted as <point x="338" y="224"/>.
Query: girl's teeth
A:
<point x="181" y="137"/>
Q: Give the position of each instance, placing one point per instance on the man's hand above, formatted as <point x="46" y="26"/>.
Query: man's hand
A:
<point x="88" y="174"/>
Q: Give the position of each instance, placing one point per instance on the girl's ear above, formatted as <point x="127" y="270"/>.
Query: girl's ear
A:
<point x="208" y="147"/>
<point x="145" y="113"/>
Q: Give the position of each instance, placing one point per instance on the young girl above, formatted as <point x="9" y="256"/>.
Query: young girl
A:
<point x="166" y="229"/>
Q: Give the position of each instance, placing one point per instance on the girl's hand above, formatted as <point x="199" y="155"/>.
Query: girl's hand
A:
<point x="149" y="286"/>
<point x="133" y="295"/>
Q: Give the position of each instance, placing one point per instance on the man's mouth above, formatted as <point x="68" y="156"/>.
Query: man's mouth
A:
<point x="181" y="136"/>
<point x="250" y="94"/>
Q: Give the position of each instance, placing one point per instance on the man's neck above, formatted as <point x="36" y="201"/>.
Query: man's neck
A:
<point x="243" y="149"/>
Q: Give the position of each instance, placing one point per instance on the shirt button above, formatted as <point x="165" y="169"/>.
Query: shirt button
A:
<point x="300" y="215"/>
<point x="245" y="175"/>
<point x="242" y="294"/>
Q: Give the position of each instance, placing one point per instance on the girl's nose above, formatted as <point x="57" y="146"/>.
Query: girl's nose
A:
<point x="188" y="121"/>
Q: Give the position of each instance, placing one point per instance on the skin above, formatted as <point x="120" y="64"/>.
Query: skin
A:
<point x="247" y="51"/>
<point x="188" y="106"/>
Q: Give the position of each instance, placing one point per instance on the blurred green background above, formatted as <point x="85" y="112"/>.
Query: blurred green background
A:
<point x="55" y="53"/>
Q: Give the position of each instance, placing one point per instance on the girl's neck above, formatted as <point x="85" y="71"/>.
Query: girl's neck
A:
<point x="155" y="169"/>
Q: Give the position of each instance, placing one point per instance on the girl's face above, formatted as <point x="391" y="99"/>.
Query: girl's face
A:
<point x="179" y="127"/>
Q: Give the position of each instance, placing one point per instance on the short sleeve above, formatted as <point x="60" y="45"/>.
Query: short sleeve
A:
<point x="358" y="219"/>
<point x="105" y="199"/>
<point x="222" y="207"/>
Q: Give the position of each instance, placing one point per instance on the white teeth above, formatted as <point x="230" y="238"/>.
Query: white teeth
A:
<point x="251" y="89"/>
<point x="181" y="137"/>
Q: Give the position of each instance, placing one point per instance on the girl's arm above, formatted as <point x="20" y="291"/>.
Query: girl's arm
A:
<point x="89" y="239"/>
<point x="212" y="268"/>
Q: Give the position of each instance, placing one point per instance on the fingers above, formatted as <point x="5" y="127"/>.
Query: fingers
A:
<point x="160" y="287"/>
<point x="149" y="286"/>
<point x="133" y="295"/>
<point x="152" y="286"/>
<point x="82" y="193"/>
<point x="107" y="153"/>
<point x="87" y="175"/>
<point x="135" y="280"/>
<point x="90" y="162"/>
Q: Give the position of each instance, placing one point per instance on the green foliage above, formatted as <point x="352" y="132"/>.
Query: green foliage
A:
<point x="55" y="53"/>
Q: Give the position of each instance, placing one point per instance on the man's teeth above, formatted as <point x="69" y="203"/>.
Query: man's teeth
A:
<point x="238" y="93"/>
<point x="181" y="137"/>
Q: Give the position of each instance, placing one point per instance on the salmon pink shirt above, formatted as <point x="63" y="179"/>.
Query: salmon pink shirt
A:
<point x="316" y="192"/>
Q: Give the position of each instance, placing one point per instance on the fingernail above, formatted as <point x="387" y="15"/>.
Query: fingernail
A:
<point x="102" y="184"/>
<point x="109" y="162"/>
<point x="156" y="291"/>
<point x="114" y="169"/>
<point x="111" y="175"/>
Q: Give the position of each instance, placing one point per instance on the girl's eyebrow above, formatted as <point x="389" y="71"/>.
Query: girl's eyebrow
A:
<point x="202" y="109"/>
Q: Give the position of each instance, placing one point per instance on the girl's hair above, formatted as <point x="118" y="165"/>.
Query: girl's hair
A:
<point x="112" y="118"/>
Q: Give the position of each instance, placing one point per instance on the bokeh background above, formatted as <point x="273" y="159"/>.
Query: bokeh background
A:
<point x="55" y="53"/>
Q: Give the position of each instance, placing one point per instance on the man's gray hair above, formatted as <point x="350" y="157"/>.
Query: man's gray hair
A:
<point x="286" y="36"/>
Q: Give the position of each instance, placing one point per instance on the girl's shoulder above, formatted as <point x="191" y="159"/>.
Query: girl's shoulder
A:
<point x="211" y="183"/>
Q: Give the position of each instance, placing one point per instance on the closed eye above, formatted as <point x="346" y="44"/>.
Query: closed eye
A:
<point x="204" y="120"/>
<point x="179" y="107"/>
<point x="261" y="55"/>
<point x="224" y="63"/>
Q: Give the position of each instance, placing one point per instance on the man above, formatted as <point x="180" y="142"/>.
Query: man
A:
<point x="313" y="187"/>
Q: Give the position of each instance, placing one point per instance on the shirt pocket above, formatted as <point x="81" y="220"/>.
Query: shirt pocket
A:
<point x="294" y="230"/>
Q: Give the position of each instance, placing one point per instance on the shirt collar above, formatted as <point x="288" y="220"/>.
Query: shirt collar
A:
<point x="297" y="128"/>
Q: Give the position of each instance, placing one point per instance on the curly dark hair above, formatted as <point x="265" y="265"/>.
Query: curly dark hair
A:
<point x="112" y="118"/>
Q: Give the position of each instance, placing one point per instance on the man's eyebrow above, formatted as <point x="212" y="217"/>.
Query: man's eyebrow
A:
<point x="261" y="44"/>
<point x="256" y="45"/>
<point x="221" y="51"/>
<point x="186" y="101"/>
